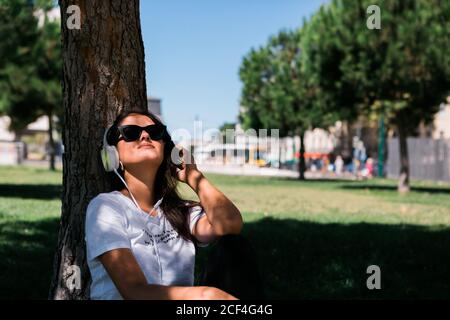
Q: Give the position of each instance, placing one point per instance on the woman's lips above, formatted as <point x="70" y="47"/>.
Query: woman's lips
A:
<point x="146" y="146"/>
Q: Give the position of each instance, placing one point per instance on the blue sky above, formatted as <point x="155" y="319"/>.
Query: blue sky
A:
<point x="193" y="50"/>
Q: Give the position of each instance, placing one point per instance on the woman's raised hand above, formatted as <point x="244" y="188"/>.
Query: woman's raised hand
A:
<point x="186" y="169"/>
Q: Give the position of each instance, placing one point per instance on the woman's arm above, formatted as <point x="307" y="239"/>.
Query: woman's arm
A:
<point x="129" y="279"/>
<point x="222" y="216"/>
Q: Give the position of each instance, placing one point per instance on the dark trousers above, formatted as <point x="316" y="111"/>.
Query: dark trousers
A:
<point x="232" y="267"/>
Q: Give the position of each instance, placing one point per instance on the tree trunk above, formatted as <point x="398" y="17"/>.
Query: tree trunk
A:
<point x="346" y="140"/>
<point x="403" y="183"/>
<point x="301" y="163"/>
<point x="103" y="73"/>
<point x="381" y="146"/>
<point x="51" y="142"/>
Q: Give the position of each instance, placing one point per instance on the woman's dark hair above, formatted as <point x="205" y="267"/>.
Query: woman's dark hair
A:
<point x="174" y="207"/>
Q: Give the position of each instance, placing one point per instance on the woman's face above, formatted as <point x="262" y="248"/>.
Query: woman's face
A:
<point x="143" y="150"/>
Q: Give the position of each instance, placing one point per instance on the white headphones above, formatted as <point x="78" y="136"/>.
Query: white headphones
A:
<point x="109" y="154"/>
<point x="111" y="162"/>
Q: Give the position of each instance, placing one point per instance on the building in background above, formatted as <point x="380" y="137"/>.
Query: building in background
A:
<point x="440" y="128"/>
<point x="9" y="149"/>
<point x="442" y="122"/>
<point x="5" y="134"/>
<point x="154" y="106"/>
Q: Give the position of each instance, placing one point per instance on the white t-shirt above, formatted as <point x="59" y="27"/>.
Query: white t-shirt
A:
<point x="113" y="221"/>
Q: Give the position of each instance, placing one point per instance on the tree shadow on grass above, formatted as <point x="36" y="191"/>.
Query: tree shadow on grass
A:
<point x="304" y="260"/>
<point x="27" y="251"/>
<point x="297" y="260"/>
<point x="372" y="187"/>
<point x="354" y="184"/>
<point x="31" y="191"/>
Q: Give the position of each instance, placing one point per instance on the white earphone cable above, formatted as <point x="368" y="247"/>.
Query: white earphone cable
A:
<point x="156" y="206"/>
<point x="134" y="200"/>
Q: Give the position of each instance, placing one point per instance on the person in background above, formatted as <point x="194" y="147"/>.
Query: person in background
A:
<point x="339" y="165"/>
<point x="369" y="167"/>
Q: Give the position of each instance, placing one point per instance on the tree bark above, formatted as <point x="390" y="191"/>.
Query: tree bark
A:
<point x="51" y="142"/>
<point x="403" y="182"/>
<point x="103" y="74"/>
<point x="301" y="163"/>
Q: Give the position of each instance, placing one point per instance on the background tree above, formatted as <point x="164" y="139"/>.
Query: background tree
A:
<point x="401" y="71"/>
<point x="30" y="75"/>
<point x="227" y="126"/>
<point x="276" y="94"/>
<point x="321" y="66"/>
<point x="103" y="73"/>
<point x="19" y="33"/>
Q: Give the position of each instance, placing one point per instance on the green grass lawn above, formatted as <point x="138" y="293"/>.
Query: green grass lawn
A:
<point x="313" y="239"/>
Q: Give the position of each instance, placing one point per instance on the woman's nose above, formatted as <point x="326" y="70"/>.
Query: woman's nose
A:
<point x="145" y="135"/>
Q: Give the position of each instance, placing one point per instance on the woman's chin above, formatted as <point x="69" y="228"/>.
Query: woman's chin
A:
<point x="150" y="159"/>
<point x="147" y="157"/>
<point x="148" y="153"/>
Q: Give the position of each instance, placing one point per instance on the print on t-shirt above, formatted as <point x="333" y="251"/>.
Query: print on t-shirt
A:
<point x="164" y="237"/>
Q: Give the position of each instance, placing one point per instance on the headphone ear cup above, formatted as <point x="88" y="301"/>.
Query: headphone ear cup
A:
<point x="110" y="158"/>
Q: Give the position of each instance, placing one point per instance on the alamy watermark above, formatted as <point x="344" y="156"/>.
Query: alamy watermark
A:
<point x="72" y="277"/>
<point x="230" y="145"/>
<point x="74" y="19"/>
<point x="374" y="20"/>
<point x="374" y="280"/>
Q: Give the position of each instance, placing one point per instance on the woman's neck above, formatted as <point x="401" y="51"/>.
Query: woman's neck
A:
<point x="141" y="184"/>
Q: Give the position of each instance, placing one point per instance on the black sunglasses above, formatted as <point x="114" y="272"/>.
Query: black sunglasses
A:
<point x="133" y="132"/>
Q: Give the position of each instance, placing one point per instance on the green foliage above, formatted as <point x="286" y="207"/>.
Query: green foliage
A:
<point x="401" y="70"/>
<point x="335" y="65"/>
<point x="30" y="64"/>
<point x="227" y="126"/>
<point x="275" y="92"/>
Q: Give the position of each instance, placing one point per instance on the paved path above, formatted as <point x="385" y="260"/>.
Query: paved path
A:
<point x="229" y="170"/>
<point x="267" y="172"/>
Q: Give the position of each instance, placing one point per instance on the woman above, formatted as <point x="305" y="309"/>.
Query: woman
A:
<point x="140" y="238"/>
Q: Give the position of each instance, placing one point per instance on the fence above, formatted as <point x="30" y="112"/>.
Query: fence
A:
<point x="429" y="159"/>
